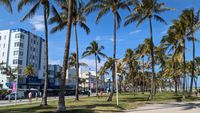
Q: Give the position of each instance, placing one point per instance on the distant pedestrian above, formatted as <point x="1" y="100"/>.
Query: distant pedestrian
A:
<point x="30" y="97"/>
<point x="36" y="96"/>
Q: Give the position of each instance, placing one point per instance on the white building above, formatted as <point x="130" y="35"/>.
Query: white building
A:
<point x="19" y="48"/>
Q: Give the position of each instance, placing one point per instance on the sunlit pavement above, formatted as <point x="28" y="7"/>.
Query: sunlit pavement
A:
<point x="190" y="107"/>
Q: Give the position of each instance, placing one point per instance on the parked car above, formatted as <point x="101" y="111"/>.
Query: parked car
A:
<point x="20" y="95"/>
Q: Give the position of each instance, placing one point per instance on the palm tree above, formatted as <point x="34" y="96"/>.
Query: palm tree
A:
<point x="7" y="4"/>
<point x="132" y="65"/>
<point x="78" y="17"/>
<point x="102" y="72"/>
<point x="96" y="50"/>
<point x="148" y="9"/>
<point x="69" y="15"/>
<point x="28" y="72"/>
<point x="104" y="6"/>
<point x="46" y="6"/>
<point x="72" y="63"/>
<point x="141" y="51"/>
<point x="192" y="20"/>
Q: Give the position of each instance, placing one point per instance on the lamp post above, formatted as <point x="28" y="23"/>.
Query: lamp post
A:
<point x="16" y="89"/>
<point x="117" y="98"/>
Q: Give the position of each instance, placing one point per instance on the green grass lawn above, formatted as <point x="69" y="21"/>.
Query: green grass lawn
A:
<point x="97" y="105"/>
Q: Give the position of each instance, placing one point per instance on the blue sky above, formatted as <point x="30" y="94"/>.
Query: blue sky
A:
<point x="127" y="37"/>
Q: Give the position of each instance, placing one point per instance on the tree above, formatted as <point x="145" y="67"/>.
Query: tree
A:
<point x="141" y="51"/>
<point x="7" y="4"/>
<point x="148" y="9"/>
<point x="78" y="17"/>
<point x="104" y="6"/>
<point x="28" y="72"/>
<point x="61" y="101"/>
<point x="102" y="72"/>
<point x="192" y="20"/>
<point x="11" y="73"/>
<point x="96" y="50"/>
<point x="46" y="6"/>
<point x="131" y="63"/>
<point x="72" y="63"/>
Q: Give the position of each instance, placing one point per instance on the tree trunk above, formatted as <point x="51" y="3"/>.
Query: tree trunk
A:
<point x="77" y="63"/>
<point x="114" y="58"/>
<point x="61" y="100"/>
<point x="184" y="66"/>
<point x="44" y="96"/>
<point x="176" y="85"/>
<point x="143" y="77"/>
<point x="193" y="65"/>
<point x="96" y="75"/>
<point x="152" y="59"/>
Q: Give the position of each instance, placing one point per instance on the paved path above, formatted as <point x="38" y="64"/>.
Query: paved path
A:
<point x="25" y="101"/>
<point x="193" y="107"/>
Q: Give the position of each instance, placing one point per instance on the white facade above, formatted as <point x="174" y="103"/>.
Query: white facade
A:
<point x="19" y="48"/>
<point x="70" y="76"/>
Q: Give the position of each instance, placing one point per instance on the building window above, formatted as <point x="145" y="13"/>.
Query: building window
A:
<point x="15" y="53"/>
<point x="3" y="54"/>
<point x="17" y="44"/>
<point x="4" y="45"/>
<point x="17" y="61"/>
<point x="21" y="36"/>
<point x="5" y="37"/>
<point x="0" y="37"/>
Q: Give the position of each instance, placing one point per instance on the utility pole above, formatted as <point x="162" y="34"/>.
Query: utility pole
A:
<point x="117" y="99"/>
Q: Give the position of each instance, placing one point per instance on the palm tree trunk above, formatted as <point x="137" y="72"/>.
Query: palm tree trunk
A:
<point x="61" y="100"/>
<point x="44" y="96"/>
<point x="176" y="84"/>
<point x="152" y="59"/>
<point x="114" y="58"/>
<point x="77" y="62"/>
<point x="143" y="75"/>
<point x="96" y="75"/>
<point x="193" y="65"/>
<point x="184" y="65"/>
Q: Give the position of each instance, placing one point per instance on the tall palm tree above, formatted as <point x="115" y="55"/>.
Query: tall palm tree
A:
<point x="143" y="10"/>
<point x="61" y="101"/>
<point x="96" y="50"/>
<point x="73" y="63"/>
<point x="78" y="17"/>
<point x="141" y="51"/>
<point x="46" y="6"/>
<point x="104" y="7"/>
<point x="28" y="72"/>
<point x="192" y="21"/>
<point x="7" y="4"/>
<point x="131" y="63"/>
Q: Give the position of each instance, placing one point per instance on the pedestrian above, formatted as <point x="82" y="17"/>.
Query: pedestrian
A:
<point x="36" y="96"/>
<point x="30" y="97"/>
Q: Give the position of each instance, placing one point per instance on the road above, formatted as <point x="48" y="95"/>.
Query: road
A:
<point x="25" y="101"/>
<point x="192" y="107"/>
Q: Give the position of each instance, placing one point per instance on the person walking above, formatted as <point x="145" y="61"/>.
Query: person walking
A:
<point x="30" y="97"/>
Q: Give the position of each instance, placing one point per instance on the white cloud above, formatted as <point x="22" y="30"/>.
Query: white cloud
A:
<point x="164" y="32"/>
<point x="91" y="62"/>
<point x="58" y="62"/>
<point x="108" y="38"/>
<point x="37" y="22"/>
<point x="135" y="32"/>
